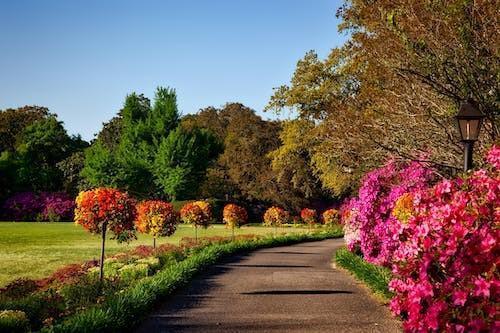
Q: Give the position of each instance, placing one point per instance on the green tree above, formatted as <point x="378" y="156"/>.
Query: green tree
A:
<point x="149" y="137"/>
<point x="100" y="166"/>
<point x="41" y="146"/>
<point x="182" y="160"/>
<point x="14" y="121"/>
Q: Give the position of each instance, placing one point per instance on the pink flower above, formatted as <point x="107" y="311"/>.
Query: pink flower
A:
<point x="459" y="297"/>
<point x="482" y="288"/>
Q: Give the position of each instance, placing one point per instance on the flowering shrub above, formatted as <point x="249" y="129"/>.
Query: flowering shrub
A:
<point x="23" y="206"/>
<point x="196" y="213"/>
<point x="276" y="216"/>
<point x="309" y="216"/>
<point x="106" y="208"/>
<point x="446" y="265"/>
<point x="234" y="215"/>
<point x="330" y="216"/>
<point x="46" y="206"/>
<point x="57" y="206"/>
<point x="156" y="218"/>
<point x="367" y="219"/>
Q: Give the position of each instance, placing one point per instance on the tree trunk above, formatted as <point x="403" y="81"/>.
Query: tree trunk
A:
<point x="232" y="235"/>
<point x="196" y="233"/>
<point x="154" y="242"/>
<point x="101" y="268"/>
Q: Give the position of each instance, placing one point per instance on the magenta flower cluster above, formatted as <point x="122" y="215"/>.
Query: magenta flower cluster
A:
<point x="45" y="206"/>
<point x="445" y="250"/>
<point x="368" y="222"/>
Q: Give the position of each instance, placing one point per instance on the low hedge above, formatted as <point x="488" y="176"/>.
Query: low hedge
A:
<point x="126" y="309"/>
<point x="375" y="277"/>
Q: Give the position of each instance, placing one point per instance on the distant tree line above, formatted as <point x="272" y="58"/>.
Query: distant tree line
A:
<point x="151" y="151"/>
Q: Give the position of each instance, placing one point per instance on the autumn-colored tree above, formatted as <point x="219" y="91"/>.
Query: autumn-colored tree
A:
<point x="197" y="213"/>
<point x="104" y="209"/>
<point x="243" y="171"/>
<point x="309" y="216"/>
<point x="234" y="216"/>
<point x="276" y="217"/>
<point x="156" y="218"/>
<point x="330" y="216"/>
<point x="396" y="85"/>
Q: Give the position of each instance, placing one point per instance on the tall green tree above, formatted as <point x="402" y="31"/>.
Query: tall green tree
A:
<point x="153" y="155"/>
<point x="182" y="160"/>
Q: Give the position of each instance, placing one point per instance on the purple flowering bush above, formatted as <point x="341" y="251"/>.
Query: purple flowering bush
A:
<point x="57" y="206"/>
<point x="46" y="206"/>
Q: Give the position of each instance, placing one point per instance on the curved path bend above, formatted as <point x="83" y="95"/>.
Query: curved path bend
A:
<point x="282" y="289"/>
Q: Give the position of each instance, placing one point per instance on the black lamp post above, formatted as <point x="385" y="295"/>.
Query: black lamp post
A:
<point x="469" y="119"/>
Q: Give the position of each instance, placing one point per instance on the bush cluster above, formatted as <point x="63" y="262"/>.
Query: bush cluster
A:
<point x="442" y="244"/>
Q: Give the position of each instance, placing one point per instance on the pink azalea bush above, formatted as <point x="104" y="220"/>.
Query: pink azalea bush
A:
<point x="441" y="242"/>
<point x="368" y="223"/>
<point x="446" y="265"/>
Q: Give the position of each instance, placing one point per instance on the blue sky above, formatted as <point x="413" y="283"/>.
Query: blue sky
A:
<point x="80" y="58"/>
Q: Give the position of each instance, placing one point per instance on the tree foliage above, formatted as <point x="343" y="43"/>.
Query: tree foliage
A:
<point x="396" y="85"/>
<point x="243" y="170"/>
<point x="153" y="156"/>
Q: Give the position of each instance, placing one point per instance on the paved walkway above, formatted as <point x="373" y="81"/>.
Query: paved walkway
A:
<point x="282" y="289"/>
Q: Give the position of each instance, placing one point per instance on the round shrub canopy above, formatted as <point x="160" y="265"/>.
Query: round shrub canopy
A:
<point x="330" y="216"/>
<point x="234" y="215"/>
<point x="156" y="218"/>
<point x="197" y="213"/>
<point x="276" y="216"/>
<point x="309" y="216"/>
<point x="106" y="207"/>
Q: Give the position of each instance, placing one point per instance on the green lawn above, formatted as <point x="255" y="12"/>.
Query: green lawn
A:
<point x="35" y="250"/>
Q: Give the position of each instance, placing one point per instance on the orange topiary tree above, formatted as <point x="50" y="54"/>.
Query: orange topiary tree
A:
<point x="234" y="216"/>
<point x="309" y="216"/>
<point x="198" y="214"/>
<point x="156" y="218"/>
<point x="331" y="216"/>
<point x="105" y="209"/>
<point x="275" y="217"/>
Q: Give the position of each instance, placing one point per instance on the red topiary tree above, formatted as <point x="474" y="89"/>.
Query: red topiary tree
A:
<point x="234" y="216"/>
<point x="105" y="209"/>
<point x="309" y="216"/>
<point x="198" y="214"/>
<point x="156" y="218"/>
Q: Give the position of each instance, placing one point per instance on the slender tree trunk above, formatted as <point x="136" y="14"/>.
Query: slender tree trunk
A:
<point x="101" y="268"/>
<point x="154" y="242"/>
<point x="275" y="230"/>
<point x="232" y="236"/>
<point x="196" y="233"/>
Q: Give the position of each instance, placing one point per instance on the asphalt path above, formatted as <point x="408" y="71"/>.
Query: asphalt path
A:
<point x="282" y="289"/>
